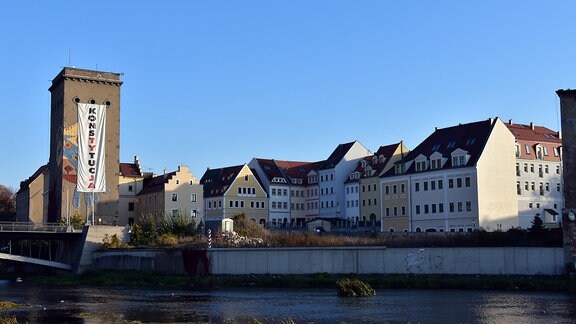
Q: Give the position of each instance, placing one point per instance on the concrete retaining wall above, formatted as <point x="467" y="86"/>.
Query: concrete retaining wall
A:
<point x="365" y="260"/>
<point x="360" y="260"/>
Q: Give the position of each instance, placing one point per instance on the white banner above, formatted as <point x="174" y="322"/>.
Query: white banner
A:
<point x="91" y="149"/>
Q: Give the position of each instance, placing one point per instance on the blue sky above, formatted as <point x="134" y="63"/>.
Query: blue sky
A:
<point x="216" y="83"/>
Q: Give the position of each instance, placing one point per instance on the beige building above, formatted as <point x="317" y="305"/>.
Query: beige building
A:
<point x="177" y="192"/>
<point x="395" y="207"/>
<point x="32" y="198"/>
<point x="130" y="183"/>
<point x="232" y="191"/>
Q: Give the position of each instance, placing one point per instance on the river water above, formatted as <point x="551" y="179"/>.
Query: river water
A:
<point x="153" y="305"/>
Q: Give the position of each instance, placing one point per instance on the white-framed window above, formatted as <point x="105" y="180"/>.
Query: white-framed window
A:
<point x="174" y="197"/>
<point x="193" y="197"/>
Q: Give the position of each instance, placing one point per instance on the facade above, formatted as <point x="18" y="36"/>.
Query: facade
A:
<point x="333" y="173"/>
<point x="395" y="197"/>
<point x="69" y="88"/>
<point x="234" y="190"/>
<point x="461" y="178"/>
<point x="177" y="192"/>
<point x="130" y="183"/>
<point x="362" y="188"/>
<point x="538" y="174"/>
<point x="32" y="198"/>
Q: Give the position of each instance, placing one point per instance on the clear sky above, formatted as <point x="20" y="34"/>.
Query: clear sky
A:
<point x="216" y="83"/>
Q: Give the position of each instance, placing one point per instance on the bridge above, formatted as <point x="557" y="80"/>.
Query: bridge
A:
<point x="51" y="245"/>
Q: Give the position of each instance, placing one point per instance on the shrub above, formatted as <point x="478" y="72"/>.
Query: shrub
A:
<point x="353" y="288"/>
<point x="167" y="239"/>
<point x="110" y="242"/>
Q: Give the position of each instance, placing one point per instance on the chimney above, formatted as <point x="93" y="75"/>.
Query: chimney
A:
<point x="531" y="125"/>
<point x="559" y="134"/>
<point x="510" y="122"/>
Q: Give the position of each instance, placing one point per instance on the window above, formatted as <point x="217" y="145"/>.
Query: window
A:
<point x="395" y="211"/>
<point x="526" y="185"/>
<point x="518" y="188"/>
<point x="450" y="183"/>
<point x="425" y="185"/>
<point x="440" y="207"/>
<point x="460" y="206"/>
<point x="468" y="206"/>
<point x="432" y="185"/>
<point x="417" y="209"/>
<point x="130" y="188"/>
<point x="425" y="209"/>
<point x="527" y="148"/>
<point x="130" y="206"/>
<point x="546" y="169"/>
<point x="193" y="213"/>
<point x="440" y="184"/>
<point x="417" y="186"/>
<point x="557" y="169"/>
<point x="433" y="208"/>
<point x="193" y="197"/>
<point x="403" y="210"/>
<point x="388" y="210"/>
<point x="394" y="189"/>
<point x="174" y="197"/>
<point x="558" y="187"/>
<point x="177" y="181"/>
<point x="174" y="212"/>
<point x="532" y="168"/>
<point x="459" y="182"/>
<point x="387" y="190"/>
<point x="402" y="188"/>
<point x="467" y="181"/>
<point x="246" y="178"/>
<point x="525" y="167"/>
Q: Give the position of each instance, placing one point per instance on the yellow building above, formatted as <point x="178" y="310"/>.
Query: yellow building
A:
<point x="232" y="191"/>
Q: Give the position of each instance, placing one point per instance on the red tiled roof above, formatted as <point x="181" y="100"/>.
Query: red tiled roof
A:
<point x="530" y="136"/>
<point x="130" y="170"/>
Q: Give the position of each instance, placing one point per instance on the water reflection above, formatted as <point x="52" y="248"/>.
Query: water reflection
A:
<point x="89" y="305"/>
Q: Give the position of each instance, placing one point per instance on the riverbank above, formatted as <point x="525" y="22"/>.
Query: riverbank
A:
<point x="151" y="279"/>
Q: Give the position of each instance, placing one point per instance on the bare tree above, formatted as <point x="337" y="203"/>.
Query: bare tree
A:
<point x="7" y="204"/>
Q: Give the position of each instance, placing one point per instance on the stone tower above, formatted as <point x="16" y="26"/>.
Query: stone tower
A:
<point x="568" y="117"/>
<point x="69" y="88"/>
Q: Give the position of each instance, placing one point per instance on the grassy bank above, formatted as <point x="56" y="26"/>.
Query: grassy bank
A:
<point x="149" y="279"/>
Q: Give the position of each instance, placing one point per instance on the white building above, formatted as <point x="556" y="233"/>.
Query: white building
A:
<point x="538" y="174"/>
<point x="333" y="173"/>
<point x="462" y="178"/>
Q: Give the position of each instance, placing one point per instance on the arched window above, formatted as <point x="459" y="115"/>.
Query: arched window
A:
<point x="418" y="230"/>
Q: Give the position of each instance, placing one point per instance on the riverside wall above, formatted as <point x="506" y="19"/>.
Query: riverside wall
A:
<point x="339" y="260"/>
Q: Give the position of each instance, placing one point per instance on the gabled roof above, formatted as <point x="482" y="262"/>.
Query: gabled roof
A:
<point x="130" y="170"/>
<point x="270" y="169"/>
<point x="155" y="184"/>
<point x="387" y="151"/>
<point x="217" y="181"/>
<point x="533" y="133"/>
<point x="530" y="136"/>
<point x="287" y="169"/>
<point x="297" y="170"/>
<point x="336" y="156"/>
<point x="470" y="137"/>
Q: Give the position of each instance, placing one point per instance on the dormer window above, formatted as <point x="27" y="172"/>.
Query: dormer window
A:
<point x="374" y="159"/>
<point x="539" y="153"/>
<point x="459" y="158"/>
<point x="381" y="158"/>
<point x="399" y="168"/>
<point x="363" y="163"/>
<point x="527" y="148"/>
<point x="421" y="164"/>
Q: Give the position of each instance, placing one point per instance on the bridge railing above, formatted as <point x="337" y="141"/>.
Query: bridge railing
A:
<point x="32" y="227"/>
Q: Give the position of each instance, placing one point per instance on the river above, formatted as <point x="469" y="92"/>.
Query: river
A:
<point x="46" y="304"/>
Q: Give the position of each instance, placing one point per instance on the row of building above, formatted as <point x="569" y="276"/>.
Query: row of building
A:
<point x="488" y="174"/>
<point x="485" y="174"/>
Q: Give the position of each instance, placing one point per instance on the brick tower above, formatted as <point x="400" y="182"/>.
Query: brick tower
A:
<point x="568" y="117"/>
<point x="69" y="88"/>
